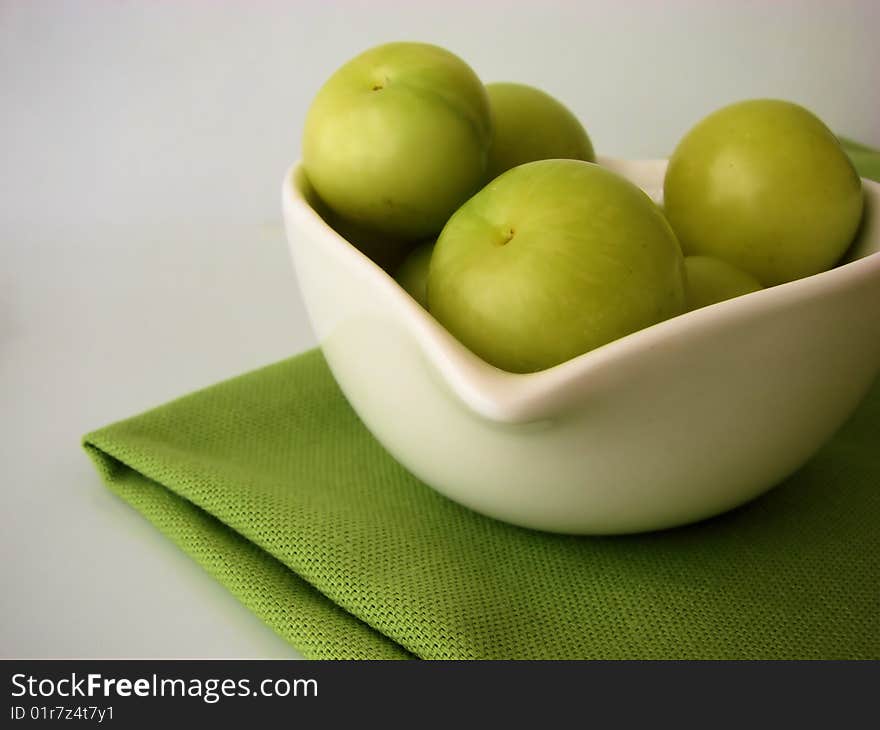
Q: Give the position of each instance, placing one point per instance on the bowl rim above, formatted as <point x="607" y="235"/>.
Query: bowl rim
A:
<point x="507" y="397"/>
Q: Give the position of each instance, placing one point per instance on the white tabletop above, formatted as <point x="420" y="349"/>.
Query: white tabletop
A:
<point x="142" y="256"/>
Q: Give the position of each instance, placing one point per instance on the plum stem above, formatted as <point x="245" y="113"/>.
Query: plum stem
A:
<point x="378" y="85"/>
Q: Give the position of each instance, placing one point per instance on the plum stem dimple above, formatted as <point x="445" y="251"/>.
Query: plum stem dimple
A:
<point x="507" y="236"/>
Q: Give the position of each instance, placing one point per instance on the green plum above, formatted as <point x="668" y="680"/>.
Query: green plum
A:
<point x="550" y="260"/>
<point x="398" y="138"/>
<point x="709" y="280"/>
<point x="531" y="125"/>
<point x="764" y="185"/>
<point x="384" y="249"/>
<point x="412" y="274"/>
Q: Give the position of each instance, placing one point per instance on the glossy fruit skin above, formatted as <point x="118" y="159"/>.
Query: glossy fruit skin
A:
<point x="412" y="274"/>
<point x="709" y="280"/>
<point x="550" y="260"/>
<point x="764" y="185"/>
<point x="531" y="125"/>
<point x="398" y="138"/>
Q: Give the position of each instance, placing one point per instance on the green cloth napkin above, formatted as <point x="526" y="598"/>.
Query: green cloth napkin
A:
<point x="273" y="485"/>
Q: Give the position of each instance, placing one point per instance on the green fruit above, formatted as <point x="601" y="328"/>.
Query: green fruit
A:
<point x="398" y="138"/>
<point x="385" y="250"/>
<point x="550" y="260"/>
<point x="531" y="125"/>
<point x="709" y="280"/>
<point x="764" y="185"/>
<point x="412" y="274"/>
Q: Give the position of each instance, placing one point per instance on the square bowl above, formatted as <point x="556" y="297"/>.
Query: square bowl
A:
<point x="671" y="424"/>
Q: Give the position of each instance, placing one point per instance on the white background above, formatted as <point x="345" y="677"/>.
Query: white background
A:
<point x="141" y="255"/>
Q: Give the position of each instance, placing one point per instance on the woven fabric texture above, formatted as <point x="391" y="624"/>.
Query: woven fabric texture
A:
<point x="272" y="484"/>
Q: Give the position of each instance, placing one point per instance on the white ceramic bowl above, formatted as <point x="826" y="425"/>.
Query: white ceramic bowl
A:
<point x="668" y="425"/>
